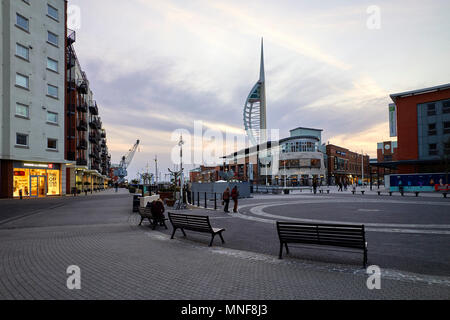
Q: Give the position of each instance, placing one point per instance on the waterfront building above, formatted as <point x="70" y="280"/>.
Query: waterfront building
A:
<point x="32" y="70"/>
<point x="293" y="161"/>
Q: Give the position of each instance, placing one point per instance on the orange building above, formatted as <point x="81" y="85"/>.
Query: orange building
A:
<point x="423" y="129"/>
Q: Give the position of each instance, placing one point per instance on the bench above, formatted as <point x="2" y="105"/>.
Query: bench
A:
<point x="146" y="213"/>
<point x="379" y="193"/>
<point x="337" y="235"/>
<point x="194" y="223"/>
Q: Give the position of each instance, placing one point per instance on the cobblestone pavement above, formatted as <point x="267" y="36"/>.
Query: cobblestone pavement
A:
<point x="120" y="260"/>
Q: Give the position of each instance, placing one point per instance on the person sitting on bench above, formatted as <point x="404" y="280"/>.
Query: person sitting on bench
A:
<point x="157" y="207"/>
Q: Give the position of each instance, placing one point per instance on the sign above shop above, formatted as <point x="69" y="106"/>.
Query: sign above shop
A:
<point x="38" y="165"/>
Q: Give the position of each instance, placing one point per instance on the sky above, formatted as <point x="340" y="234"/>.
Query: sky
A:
<point x="156" y="66"/>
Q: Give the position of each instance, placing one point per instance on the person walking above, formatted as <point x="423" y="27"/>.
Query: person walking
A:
<point x="116" y="186"/>
<point x="345" y="185"/>
<point x="226" y="199"/>
<point x="340" y="185"/>
<point x="315" y="186"/>
<point x="235" y="196"/>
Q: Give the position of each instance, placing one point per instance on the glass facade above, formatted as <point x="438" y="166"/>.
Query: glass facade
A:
<point x="39" y="181"/>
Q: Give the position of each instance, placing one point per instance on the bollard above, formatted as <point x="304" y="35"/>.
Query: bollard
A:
<point x="198" y="199"/>
<point x="20" y="194"/>
<point x="206" y="204"/>
<point x="215" y="201"/>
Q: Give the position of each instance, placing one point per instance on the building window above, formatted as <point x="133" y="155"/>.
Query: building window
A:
<point x="22" y="52"/>
<point x="52" y="91"/>
<point x="52" y="144"/>
<point x="432" y="149"/>
<point x="432" y="129"/>
<point x="22" y="22"/>
<point x="446" y="127"/>
<point x="22" y="110"/>
<point x="52" y="12"/>
<point x="52" y="65"/>
<point x="52" y="117"/>
<point x="446" y="107"/>
<point x="52" y="38"/>
<point x="21" y="139"/>
<point x="22" y="81"/>
<point x="431" y="109"/>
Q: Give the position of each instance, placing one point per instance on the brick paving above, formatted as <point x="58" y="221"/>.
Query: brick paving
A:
<point x="120" y="260"/>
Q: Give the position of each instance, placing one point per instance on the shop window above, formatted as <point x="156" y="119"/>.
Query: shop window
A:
<point x="21" y="182"/>
<point x="53" y="182"/>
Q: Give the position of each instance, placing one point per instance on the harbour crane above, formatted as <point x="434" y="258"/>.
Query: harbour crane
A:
<point x="121" y="171"/>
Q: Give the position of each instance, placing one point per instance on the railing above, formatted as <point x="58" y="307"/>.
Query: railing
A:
<point x="82" y="107"/>
<point x="71" y="37"/>
<point x="201" y="199"/>
<point x="93" y="109"/>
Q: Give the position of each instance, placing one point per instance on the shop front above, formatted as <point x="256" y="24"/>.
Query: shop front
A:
<point x="36" y="180"/>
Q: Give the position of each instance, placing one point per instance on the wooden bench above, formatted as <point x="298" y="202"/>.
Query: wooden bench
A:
<point x="337" y="235"/>
<point x="194" y="223"/>
<point x="146" y="213"/>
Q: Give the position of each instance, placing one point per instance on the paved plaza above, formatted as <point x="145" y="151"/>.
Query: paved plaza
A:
<point x="408" y="239"/>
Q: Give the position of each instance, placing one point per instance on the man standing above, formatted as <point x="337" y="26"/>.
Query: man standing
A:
<point x="235" y="196"/>
<point x="226" y="199"/>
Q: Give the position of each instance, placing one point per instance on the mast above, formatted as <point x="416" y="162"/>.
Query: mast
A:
<point x="262" y="80"/>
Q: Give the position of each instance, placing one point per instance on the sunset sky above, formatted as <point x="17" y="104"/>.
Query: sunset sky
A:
<point x="156" y="66"/>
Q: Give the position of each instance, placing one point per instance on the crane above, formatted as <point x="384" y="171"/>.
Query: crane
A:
<point x="121" y="171"/>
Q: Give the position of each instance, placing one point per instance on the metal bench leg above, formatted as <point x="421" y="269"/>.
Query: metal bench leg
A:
<point x="212" y="239"/>
<point x="184" y="233"/>
<point x="280" y="256"/>
<point x="221" y="238"/>
<point x="287" y="249"/>
<point x="142" y="219"/>
<point x="173" y="233"/>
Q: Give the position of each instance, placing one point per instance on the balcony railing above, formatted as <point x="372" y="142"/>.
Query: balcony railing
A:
<point x="82" y="107"/>
<point x="71" y="37"/>
<point x="81" y="162"/>
<point x="82" y="87"/>
<point x="82" y="144"/>
<point x="82" y="125"/>
<point x="93" y="109"/>
<point x="93" y="138"/>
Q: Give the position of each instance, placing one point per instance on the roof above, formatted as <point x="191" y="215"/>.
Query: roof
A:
<point x="305" y="129"/>
<point x="419" y="91"/>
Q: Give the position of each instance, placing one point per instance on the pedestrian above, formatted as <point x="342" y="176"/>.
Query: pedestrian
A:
<point x="226" y="199"/>
<point x="340" y="185"/>
<point x="345" y="185"/>
<point x="235" y="196"/>
<point x="116" y="186"/>
<point x="315" y="186"/>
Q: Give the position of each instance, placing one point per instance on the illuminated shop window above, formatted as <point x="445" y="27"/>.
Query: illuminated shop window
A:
<point x="21" y="182"/>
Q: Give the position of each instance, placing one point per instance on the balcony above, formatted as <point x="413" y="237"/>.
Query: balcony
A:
<point x="82" y="108"/>
<point x="82" y="144"/>
<point x="71" y="60"/>
<point x="93" y="109"/>
<point x="82" y="125"/>
<point x="103" y="134"/>
<point x="71" y="156"/>
<point x="71" y="37"/>
<point x="93" y="124"/>
<point x="82" y="87"/>
<point x="81" y="162"/>
<point x="93" y="138"/>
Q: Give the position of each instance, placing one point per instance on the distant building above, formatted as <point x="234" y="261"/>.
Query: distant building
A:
<point x="347" y="166"/>
<point x="293" y="161"/>
<point x="205" y="174"/>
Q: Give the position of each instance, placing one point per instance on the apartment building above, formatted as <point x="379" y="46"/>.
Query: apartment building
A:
<point x="32" y="73"/>
<point x="85" y="145"/>
<point x="51" y="138"/>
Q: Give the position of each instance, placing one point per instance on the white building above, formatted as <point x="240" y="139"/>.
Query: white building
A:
<point x="32" y="87"/>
